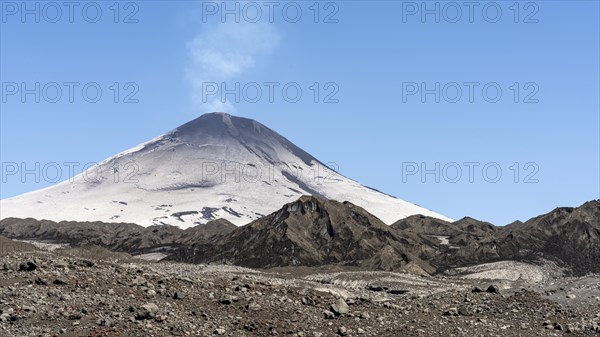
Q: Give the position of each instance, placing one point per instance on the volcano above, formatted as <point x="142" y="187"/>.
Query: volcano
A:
<point x="217" y="166"/>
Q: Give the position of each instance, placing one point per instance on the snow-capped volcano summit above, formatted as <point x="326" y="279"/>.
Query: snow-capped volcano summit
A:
<point x="216" y="166"/>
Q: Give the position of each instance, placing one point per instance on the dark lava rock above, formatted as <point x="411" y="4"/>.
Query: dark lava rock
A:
<point x="29" y="266"/>
<point x="493" y="289"/>
<point x="41" y="281"/>
<point x="376" y="288"/>
<point x="60" y="281"/>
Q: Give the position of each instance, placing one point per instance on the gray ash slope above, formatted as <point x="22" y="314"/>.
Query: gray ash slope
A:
<point x="250" y="134"/>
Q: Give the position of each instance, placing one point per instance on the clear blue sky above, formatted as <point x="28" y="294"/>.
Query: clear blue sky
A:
<point x="372" y="52"/>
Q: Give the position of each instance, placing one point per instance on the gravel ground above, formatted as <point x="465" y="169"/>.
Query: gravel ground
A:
<point x="50" y="294"/>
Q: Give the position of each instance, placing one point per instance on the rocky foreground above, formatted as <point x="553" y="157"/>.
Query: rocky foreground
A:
<point x="427" y="277"/>
<point x="98" y="293"/>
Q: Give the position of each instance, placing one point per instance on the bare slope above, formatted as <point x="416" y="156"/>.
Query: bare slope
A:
<point x="123" y="237"/>
<point x="568" y="235"/>
<point x="312" y="232"/>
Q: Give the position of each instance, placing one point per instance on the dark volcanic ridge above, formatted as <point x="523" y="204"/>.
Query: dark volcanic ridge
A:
<point x="120" y="237"/>
<point x="314" y="231"/>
